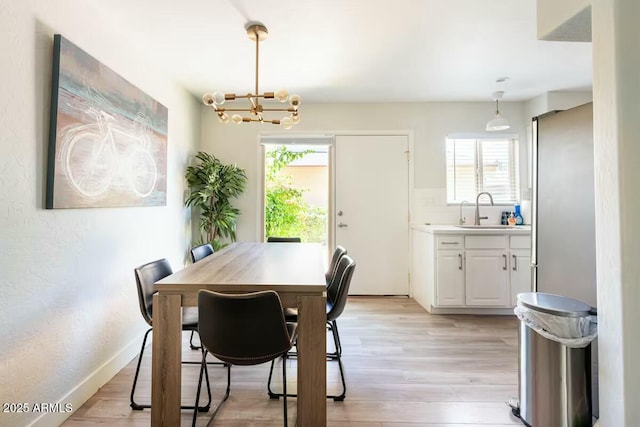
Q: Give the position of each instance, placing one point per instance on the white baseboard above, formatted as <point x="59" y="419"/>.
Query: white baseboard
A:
<point x="87" y="388"/>
<point x="460" y="310"/>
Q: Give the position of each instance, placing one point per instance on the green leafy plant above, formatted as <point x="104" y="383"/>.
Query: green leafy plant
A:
<point x="211" y="185"/>
<point x="286" y="212"/>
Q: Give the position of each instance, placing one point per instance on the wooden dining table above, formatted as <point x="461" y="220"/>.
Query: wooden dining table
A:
<point x="294" y="270"/>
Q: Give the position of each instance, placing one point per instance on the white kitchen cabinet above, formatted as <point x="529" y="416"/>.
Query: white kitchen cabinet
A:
<point x="469" y="272"/>
<point x="449" y="278"/>
<point x="520" y="272"/>
<point x="487" y="278"/>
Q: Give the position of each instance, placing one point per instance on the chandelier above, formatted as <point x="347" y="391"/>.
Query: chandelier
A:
<point x="255" y="111"/>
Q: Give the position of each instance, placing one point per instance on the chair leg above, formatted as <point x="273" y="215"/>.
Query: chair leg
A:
<point x="334" y="326"/>
<point x="193" y="347"/>
<point x="135" y="406"/>
<point x="340" y="397"/>
<point x="272" y="395"/>
<point x="203" y="370"/>
<point x="338" y="356"/>
<point x="284" y="387"/>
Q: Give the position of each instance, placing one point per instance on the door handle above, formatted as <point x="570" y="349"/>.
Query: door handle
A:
<point x="515" y="263"/>
<point x="342" y="225"/>
<point x="339" y="213"/>
<point x="504" y="257"/>
<point x="459" y="261"/>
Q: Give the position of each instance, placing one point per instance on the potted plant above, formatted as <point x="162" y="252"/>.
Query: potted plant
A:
<point x="211" y="185"/>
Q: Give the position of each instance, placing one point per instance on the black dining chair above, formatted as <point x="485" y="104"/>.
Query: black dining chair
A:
<point x="276" y="239"/>
<point x="146" y="276"/>
<point x="198" y="253"/>
<point x="337" y="293"/>
<point x="202" y="251"/>
<point x="338" y="253"/>
<point x="243" y="329"/>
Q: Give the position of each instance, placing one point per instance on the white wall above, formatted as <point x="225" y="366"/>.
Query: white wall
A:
<point x="68" y="306"/>
<point x="617" y="156"/>
<point x="556" y="101"/>
<point x="430" y="123"/>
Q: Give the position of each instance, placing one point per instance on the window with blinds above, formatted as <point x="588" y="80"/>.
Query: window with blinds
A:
<point x="482" y="164"/>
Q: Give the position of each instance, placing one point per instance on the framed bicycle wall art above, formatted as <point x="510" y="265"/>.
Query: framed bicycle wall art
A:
<point x="107" y="138"/>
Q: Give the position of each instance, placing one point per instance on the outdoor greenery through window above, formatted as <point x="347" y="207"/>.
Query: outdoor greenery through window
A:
<point x="482" y="164"/>
<point x="296" y="192"/>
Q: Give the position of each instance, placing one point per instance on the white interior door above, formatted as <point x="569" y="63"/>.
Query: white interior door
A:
<point x="372" y="211"/>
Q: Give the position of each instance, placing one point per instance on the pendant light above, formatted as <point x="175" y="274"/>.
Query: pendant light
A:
<point x="498" y="122"/>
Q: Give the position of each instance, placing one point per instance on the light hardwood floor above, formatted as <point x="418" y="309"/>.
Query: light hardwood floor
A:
<point x="403" y="366"/>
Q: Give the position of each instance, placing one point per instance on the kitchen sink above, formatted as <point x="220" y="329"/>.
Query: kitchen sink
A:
<point x="484" y="226"/>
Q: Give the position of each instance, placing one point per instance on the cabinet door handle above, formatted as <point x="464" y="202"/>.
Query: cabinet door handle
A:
<point x="450" y="243"/>
<point x="459" y="261"/>
<point x="515" y="263"/>
<point x="504" y="257"/>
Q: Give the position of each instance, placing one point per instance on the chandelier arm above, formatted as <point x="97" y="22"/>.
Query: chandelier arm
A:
<point x="260" y="95"/>
<point x="247" y="110"/>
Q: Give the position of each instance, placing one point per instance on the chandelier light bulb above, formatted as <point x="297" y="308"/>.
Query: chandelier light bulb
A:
<point x="295" y="119"/>
<point x="207" y="99"/>
<point x="294" y="100"/>
<point x="218" y="98"/>
<point x="236" y="118"/>
<point x="286" y="122"/>
<point x="224" y="118"/>
<point x="282" y="95"/>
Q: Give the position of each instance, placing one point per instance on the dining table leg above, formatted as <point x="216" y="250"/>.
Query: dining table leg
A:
<point x="166" y="360"/>
<point x="312" y="364"/>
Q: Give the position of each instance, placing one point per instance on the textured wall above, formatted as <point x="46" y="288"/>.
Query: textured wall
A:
<point x="68" y="306"/>
<point x="617" y="156"/>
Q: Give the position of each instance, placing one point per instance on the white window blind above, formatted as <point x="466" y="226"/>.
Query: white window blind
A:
<point x="482" y="164"/>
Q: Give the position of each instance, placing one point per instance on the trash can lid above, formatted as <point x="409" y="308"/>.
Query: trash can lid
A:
<point x="554" y="304"/>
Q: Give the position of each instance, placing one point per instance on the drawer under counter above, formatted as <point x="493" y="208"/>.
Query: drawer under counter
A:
<point x="498" y="241"/>
<point x="451" y="241"/>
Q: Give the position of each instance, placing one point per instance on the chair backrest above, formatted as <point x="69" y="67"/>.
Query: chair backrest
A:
<point x="272" y="239"/>
<point x="201" y="251"/>
<point x="338" y="289"/>
<point x="146" y="276"/>
<point x="243" y="329"/>
<point x="333" y="265"/>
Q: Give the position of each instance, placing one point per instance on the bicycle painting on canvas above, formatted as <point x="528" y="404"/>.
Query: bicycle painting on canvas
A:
<point x="108" y="139"/>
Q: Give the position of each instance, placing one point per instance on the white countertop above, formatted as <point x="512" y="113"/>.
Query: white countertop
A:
<point x="454" y="229"/>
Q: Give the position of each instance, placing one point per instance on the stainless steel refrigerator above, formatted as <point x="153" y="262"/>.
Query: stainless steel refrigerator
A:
<point x="563" y="255"/>
<point x="563" y="211"/>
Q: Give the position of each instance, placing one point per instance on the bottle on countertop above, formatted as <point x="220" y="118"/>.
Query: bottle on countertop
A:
<point x="518" y="215"/>
<point x="511" y="221"/>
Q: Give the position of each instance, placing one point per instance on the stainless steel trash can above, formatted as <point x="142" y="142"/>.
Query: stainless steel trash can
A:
<point x="554" y="379"/>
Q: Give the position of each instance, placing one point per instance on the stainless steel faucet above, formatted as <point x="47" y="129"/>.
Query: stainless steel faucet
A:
<point x="478" y="217"/>
<point x="462" y="219"/>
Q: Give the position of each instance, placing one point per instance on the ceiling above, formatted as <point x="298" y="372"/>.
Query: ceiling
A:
<point x="357" y="50"/>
